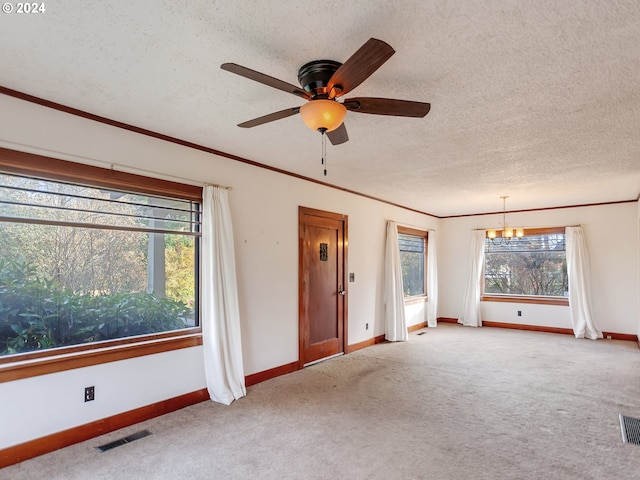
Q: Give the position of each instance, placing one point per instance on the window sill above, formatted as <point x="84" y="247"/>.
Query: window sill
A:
<point x="563" y="301"/>
<point x="416" y="299"/>
<point x="42" y="363"/>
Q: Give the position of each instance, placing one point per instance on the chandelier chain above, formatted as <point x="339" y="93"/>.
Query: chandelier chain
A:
<point x="507" y="233"/>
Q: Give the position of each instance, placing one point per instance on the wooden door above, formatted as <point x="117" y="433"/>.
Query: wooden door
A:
<point x="322" y="288"/>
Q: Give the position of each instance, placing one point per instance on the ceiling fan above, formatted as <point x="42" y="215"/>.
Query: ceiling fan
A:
<point x="325" y="82"/>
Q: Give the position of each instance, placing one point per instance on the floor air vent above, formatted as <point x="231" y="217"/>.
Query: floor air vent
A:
<point x="630" y="429"/>
<point x="122" y="441"/>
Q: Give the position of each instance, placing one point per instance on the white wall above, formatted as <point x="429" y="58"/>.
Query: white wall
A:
<point x="415" y="313"/>
<point x="612" y="239"/>
<point x="264" y="208"/>
<point x="38" y="406"/>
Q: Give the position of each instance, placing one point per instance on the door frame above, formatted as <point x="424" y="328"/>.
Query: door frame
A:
<point x="302" y="211"/>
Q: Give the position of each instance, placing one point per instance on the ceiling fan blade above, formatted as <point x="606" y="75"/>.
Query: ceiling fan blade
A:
<point x="264" y="79"/>
<point x="360" y="65"/>
<point x="387" y="106"/>
<point x="339" y="135"/>
<point x="270" y="118"/>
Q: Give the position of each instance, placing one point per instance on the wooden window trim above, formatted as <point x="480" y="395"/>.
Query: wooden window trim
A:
<point x="44" y="365"/>
<point x="564" y="301"/>
<point x="531" y="299"/>
<point x="86" y="347"/>
<point x="26" y="365"/>
<point x="535" y="231"/>
<point x="38" y="166"/>
<point x="413" y="231"/>
<point x="414" y="299"/>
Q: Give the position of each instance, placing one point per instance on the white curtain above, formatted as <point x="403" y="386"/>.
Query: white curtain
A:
<point x="432" y="281"/>
<point x="221" y="339"/>
<point x="396" y="324"/>
<point x="579" y="276"/>
<point x="471" y="306"/>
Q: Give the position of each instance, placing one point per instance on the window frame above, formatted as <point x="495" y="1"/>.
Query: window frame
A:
<point x="26" y="365"/>
<point x="531" y="299"/>
<point x="402" y="230"/>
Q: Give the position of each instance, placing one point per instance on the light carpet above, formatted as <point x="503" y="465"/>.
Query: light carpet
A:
<point x="453" y="403"/>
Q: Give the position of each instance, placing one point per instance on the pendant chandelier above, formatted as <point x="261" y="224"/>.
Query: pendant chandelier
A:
<point x="507" y="233"/>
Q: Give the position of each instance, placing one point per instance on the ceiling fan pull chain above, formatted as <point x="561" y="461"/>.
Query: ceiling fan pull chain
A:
<point x="324" y="149"/>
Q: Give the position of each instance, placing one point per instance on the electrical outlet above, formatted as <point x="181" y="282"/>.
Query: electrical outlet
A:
<point x="89" y="394"/>
<point x="366" y="326"/>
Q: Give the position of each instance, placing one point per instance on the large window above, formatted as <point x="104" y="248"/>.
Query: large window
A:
<point x="84" y="264"/>
<point x="533" y="266"/>
<point x="413" y="258"/>
<point x="96" y="265"/>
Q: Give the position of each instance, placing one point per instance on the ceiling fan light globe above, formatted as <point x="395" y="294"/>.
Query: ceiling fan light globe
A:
<point x="323" y="114"/>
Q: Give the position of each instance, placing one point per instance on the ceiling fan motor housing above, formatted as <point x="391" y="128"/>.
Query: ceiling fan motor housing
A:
<point x="314" y="76"/>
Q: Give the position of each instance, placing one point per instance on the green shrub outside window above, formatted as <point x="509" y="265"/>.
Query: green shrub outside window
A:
<point x="80" y="264"/>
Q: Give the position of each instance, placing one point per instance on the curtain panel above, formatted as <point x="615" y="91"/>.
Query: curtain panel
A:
<point x="578" y="272"/>
<point x="470" y="315"/>
<point x="432" y="280"/>
<point x="395" y="321"/>
<point x="221" y="340"/>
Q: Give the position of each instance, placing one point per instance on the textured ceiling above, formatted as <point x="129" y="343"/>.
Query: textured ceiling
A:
<point x="538" y="100"/>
